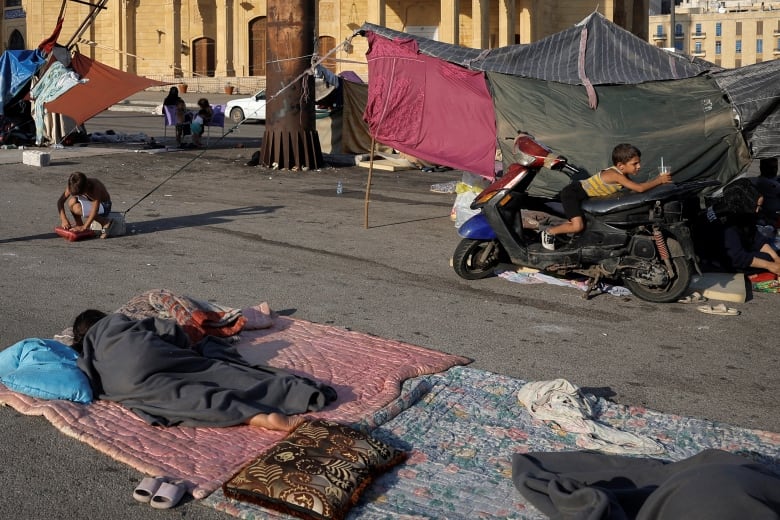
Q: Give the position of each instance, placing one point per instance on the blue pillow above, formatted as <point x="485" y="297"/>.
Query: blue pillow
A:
<point x="45" y="369"/>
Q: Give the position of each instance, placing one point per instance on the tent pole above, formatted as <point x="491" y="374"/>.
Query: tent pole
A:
<point x="368" y="184"/>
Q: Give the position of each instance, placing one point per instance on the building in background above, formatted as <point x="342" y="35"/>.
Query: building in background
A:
<point x="210" y="43"/>
<point x="729" y="34"/>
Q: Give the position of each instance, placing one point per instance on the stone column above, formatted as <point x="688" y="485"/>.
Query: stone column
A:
<point x="224" y="42"/>
<point x="525" y="10"/>
<point x="506" y="22"/>
<point x="119" y="23"/>
<point x="375" y="13"/>
<point x="480" y="9"/>
<point x="449" y="24"/>
<point x="172" y="51"/>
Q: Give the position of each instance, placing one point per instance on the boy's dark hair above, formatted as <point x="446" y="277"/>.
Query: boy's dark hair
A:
<point x="82" y="324"/>
<point x="624" y="152"/>
<point x="77" y="183"/>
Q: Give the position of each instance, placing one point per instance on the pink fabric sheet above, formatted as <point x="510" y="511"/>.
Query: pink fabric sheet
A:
<point x="366" y="371"/>
<point x="428" y="108"/>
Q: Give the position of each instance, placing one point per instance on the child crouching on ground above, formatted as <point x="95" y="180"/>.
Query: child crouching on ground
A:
<point x="88" y="201"/>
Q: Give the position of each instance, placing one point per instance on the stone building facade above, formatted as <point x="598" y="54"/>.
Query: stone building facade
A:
<point x="728" y="34"/>
<point x="212" y="42"/>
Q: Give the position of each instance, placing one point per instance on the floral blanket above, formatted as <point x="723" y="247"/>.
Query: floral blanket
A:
<point x="462" y="428"/>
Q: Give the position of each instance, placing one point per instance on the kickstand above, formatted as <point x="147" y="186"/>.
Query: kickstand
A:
<point x="592" y="282"/>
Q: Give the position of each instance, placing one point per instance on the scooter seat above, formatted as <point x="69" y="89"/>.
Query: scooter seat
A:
<point x="625" y="199"/>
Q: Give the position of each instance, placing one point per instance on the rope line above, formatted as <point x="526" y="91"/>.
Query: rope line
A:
<point x="237" y="125"/>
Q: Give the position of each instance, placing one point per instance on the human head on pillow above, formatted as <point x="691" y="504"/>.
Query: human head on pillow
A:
<point x="150" y="366"/>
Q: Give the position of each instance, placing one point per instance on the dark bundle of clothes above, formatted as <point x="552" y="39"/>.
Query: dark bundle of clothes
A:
<point x="726" y="236"/>
<point x="584" y="485"/>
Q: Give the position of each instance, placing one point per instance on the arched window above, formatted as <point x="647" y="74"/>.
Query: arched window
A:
<point x="203" y="57"/>
<point x="16" y="41"/>
<point x="325" y="44"/>
<point x="257" y="49"/>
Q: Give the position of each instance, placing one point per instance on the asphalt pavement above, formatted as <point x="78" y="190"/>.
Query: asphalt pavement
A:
<point x="202" y="223"/>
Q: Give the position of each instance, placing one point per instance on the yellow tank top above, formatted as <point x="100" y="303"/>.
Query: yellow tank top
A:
<point x="595" y="187"/>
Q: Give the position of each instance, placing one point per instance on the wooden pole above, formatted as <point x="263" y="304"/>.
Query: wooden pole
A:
<point x="368" y="184"/>
<point x="290" y="140"/>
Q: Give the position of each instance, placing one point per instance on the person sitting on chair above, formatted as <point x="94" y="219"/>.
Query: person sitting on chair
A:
<point x="200" y="121"/>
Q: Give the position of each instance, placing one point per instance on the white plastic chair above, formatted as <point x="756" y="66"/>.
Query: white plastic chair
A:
<point x="169" y="114"/>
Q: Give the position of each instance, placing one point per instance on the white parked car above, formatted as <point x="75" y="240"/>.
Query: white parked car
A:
<point x="250" y="108"/>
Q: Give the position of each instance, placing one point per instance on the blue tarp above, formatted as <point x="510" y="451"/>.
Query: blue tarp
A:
<point x="16" y="69"/>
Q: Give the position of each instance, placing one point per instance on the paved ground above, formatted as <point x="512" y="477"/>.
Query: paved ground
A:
<point x="236" y="235"/>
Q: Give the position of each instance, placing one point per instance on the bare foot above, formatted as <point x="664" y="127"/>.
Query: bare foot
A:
<point x="276" y="421"/>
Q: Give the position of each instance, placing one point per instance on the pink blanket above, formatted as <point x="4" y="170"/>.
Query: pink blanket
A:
<point x="366" y="371"/>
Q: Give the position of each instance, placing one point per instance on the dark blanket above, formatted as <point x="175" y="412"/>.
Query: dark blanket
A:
<point x="589" y="485"/>
<point x="149" y="366"/>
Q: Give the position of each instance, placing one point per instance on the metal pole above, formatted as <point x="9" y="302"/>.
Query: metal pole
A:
<point x="672" y="30"/>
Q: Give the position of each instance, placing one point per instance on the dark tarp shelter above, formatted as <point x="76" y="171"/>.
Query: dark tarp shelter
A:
<point x="16" y="69"/>
<point x="583" y="90"/>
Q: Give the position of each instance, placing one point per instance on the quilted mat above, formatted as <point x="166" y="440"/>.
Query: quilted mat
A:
<point x="366" y="371"/>
<point x="461" y="429"/>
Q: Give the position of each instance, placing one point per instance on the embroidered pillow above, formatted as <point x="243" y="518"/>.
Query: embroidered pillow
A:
<point x="317" y="472"/>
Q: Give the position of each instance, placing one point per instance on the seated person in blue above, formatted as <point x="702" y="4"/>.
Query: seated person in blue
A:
<point x="201" y="120"/>
<point x="726" y="237"/>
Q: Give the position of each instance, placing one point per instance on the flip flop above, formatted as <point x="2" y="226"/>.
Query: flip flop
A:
<point x="695" y="297"/>
<point x="107" y="228"/>
<point x="720" y="310"/>
<point x="168" y="495"/>
<point x="147" y="488"/>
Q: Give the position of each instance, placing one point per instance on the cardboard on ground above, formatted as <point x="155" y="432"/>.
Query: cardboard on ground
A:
<point x="730" y="287"/>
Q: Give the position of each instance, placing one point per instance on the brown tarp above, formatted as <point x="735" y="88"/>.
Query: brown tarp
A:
<point x="354" y="133"/>
<point x="106" y="87"/>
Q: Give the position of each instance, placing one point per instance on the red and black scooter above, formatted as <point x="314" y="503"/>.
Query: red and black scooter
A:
<point x="640" y="240"/>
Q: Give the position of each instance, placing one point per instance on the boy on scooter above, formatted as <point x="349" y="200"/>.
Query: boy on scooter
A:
<point x="625" y="162"/>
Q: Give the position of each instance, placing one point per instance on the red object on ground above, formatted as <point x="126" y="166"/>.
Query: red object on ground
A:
<point x="762" y="277"/>
<point x="74" y="236"/>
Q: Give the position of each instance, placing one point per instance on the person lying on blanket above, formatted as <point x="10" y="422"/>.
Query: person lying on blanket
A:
<point x="151" y="367"/>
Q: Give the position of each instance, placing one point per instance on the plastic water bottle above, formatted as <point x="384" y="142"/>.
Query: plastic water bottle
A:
<point x="339" y="188"/>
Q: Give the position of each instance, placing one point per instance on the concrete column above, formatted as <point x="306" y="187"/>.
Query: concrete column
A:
<point x="173" y="37"/>
<point x="449" y="24"/>
<point x="506" y="22"/>
<point x="480" y="9"/>
<point x="525" y="10"/>
<point x="118" y="21"/>
<point x="224" y="41"/>
<point x="375" y="12"/>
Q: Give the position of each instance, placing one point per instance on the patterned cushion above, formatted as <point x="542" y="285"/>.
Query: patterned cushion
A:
<point x="317" y="472"/>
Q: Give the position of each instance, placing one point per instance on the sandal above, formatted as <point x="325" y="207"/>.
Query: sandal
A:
<point x="106" y="228"/>
<point x="147" y="488"/>
<point x="720" y="310"/>
<point x="695" y="297"/>
<point x="168" y="495"/>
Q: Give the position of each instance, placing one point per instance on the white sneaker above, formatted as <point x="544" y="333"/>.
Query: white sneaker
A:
<point x="548" y="241"/>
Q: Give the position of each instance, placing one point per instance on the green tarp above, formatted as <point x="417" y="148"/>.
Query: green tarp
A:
<point x="688" y="122"/>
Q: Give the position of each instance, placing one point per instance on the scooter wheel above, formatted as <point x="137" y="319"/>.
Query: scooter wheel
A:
<point x="476" y="259"/>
